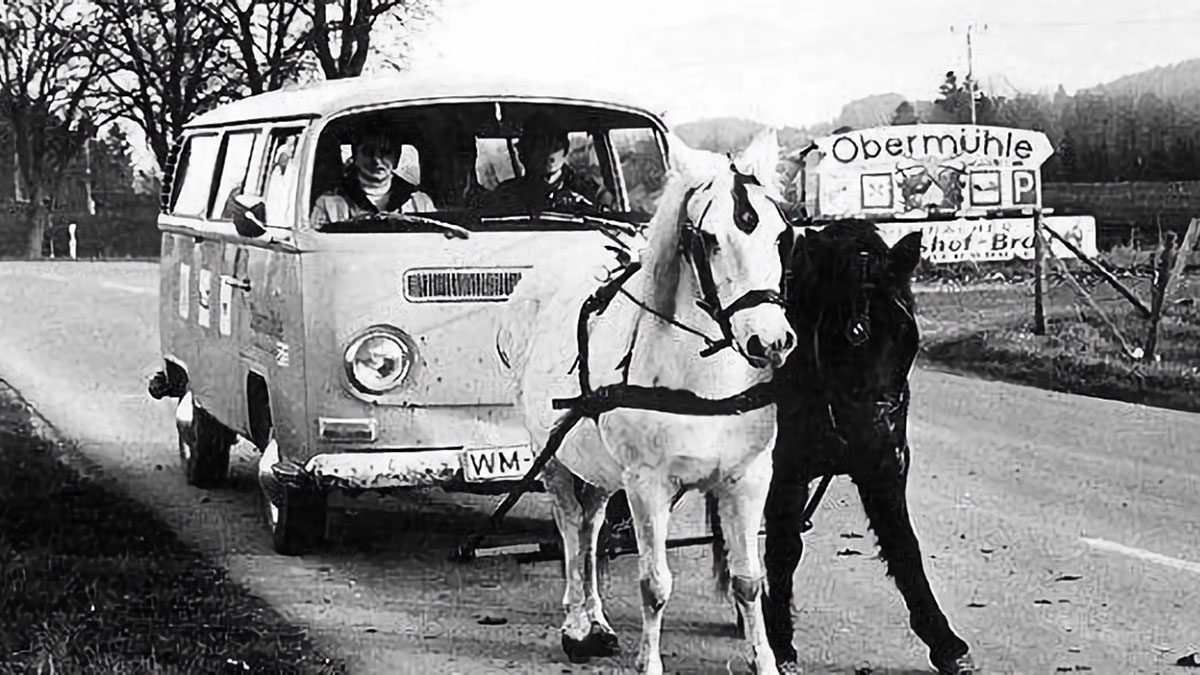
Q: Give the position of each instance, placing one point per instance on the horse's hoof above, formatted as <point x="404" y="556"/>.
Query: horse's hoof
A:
<point x="603" y="641"/>
<point x="576" y="650"/>
<point x="962" y="665"/>
<point x="598" y="643"/>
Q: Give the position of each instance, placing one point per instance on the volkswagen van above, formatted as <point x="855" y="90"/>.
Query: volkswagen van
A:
<point x="356" y="351"/>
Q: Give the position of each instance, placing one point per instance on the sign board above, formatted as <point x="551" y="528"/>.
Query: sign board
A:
<point x="990" y="239"/>
<point x="917" y="170"/>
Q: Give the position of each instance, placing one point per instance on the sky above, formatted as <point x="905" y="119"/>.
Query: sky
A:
<point x="797" y="62"/>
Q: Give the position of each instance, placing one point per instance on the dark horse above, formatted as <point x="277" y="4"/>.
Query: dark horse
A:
<point x="843" y="410"/>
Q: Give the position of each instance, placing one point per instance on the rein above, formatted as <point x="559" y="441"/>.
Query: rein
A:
<point x="592" y="403"/>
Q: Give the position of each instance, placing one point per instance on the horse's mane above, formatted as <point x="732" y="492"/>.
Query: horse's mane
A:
<point x="661" y="255"/>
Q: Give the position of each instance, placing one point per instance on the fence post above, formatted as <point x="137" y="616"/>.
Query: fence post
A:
<point x="1039" y="275"/>
<point x="1167" y="254"/>
<point x="1184" y="254"/>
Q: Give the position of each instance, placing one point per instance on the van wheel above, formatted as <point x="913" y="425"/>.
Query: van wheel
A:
<point x="298" y="524"/>
<point x="205" y="459"/>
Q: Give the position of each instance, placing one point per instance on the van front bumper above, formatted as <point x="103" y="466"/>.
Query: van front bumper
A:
<point x="385" y="470"/>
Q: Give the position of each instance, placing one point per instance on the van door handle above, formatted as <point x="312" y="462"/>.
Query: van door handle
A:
<point x="235" y="282"/>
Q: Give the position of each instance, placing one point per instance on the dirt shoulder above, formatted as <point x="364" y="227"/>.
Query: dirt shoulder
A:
<point x="95" y="582"/>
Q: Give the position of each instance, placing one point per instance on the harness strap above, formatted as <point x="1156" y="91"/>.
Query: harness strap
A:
<point x="466" y="550"/>
<point x="668" y="400"/>
<point x="596" y="304"/>
<point x="813" y="502"/>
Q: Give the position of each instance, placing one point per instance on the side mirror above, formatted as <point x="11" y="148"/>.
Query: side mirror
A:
<point x="250" y="216"/>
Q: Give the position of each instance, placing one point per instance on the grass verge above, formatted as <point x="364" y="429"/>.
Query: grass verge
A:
<point x="989" y="332"/>
<point x="93" y="582"/>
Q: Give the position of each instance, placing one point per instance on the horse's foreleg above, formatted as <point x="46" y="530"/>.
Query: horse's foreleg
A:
<point x="601" y="640"/>
<point x="886" y="504"/>
<point x="568" y="516"/>
<point x="784" y="548"/>
<point x="650" y="504"/>
<point x="740" y="506"/>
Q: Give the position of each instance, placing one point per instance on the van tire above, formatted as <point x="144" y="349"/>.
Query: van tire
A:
<point x="298" y="525"/>
<point x="206" y="462"/>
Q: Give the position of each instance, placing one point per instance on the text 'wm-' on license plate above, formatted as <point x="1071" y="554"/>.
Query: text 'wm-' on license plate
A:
<point x="481" y="465"/>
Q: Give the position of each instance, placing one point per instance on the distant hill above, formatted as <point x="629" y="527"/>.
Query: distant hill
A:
<point x="1173" y="82"/>
<point x="1179" y="82"/>
<point x="726" y="134"/>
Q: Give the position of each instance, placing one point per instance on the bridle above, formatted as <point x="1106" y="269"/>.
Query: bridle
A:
<point x="857" y="333"/>
<point x="696" y="251"/>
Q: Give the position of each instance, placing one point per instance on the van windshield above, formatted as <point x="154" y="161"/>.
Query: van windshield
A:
<point x="489" y="165"/>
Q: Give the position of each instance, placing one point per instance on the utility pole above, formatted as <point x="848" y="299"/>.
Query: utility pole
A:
<point x="971" y="27"/>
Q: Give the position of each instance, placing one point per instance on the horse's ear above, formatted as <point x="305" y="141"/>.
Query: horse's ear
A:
<point x="689" y="161"/>
<point x="904" y="257"/>
<point x="761" y="159"/>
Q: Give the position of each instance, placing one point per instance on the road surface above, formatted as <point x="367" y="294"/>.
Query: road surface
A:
<point x="1059" y="532"/>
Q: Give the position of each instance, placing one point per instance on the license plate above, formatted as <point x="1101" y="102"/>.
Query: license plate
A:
<point x="481" y="465"/>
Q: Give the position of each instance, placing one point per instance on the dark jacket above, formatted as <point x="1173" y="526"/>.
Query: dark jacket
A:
<point x="571" y="192"/>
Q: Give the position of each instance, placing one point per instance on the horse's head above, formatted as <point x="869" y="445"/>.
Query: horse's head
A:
<point x="854" y="314"/>
<point x="720" y="218"/>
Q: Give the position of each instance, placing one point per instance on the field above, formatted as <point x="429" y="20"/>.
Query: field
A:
<point x="94" y="582"/>
<point x="986" y="328"/>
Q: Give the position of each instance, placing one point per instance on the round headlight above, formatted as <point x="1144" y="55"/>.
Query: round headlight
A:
<point x="377" y="362"/>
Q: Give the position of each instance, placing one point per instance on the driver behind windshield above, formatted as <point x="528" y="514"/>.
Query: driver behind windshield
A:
<point x="549" y="183"/>
<point x="370" y="184"/>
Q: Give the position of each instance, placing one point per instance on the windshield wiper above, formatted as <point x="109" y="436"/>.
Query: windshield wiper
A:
<point x="609" y="226"/>
<point x="450" y="230"/>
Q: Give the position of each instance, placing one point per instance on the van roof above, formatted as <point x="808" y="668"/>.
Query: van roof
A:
<point x="332" y="96"/>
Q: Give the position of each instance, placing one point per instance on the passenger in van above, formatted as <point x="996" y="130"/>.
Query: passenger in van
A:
<point x="370" y="184"/>
<point x="549" y="182"/>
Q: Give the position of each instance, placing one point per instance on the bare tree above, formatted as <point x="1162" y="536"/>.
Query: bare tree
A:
<point x="181" y="57"/>
<point x="266" y="40"/>
<point x="171" y="65"/>
<point x="50" y="63"/>
<point x="349" y="28"/>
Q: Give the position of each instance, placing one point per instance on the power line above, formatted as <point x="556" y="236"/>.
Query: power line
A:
<point x="1097" y="22"/>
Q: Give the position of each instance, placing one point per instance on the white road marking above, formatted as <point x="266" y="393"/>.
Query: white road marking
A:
<point x="1142" y="554"/>
<point x="137" y="290"/>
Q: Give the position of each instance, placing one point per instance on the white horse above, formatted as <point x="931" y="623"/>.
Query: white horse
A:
<point x="714" y="240"/>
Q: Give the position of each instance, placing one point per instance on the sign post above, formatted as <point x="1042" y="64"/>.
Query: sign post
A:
<point x="1039" y="275"/>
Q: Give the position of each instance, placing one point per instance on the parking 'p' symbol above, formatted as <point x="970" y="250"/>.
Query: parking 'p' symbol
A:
<point x="1024" y="187"/>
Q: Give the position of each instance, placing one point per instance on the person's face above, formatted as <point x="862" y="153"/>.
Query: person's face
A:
<point x="374" y="161"/>
<point x="543" y="160"/>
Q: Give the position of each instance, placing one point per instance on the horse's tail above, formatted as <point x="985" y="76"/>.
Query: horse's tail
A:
<point x="720" y="553"/>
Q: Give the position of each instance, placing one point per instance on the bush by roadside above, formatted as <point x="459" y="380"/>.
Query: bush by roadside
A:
<point x="93" y="582"/>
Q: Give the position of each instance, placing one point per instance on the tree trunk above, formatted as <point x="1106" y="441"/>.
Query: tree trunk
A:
<point x="39" y="220"/>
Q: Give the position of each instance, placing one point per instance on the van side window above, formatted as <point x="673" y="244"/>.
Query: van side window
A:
<point x="282" y="170"/>
<point x="237" y="154"/>
<point x="194" y="175"/>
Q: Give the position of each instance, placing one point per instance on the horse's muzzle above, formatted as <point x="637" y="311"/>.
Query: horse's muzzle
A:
<point x="761" y="354"/>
